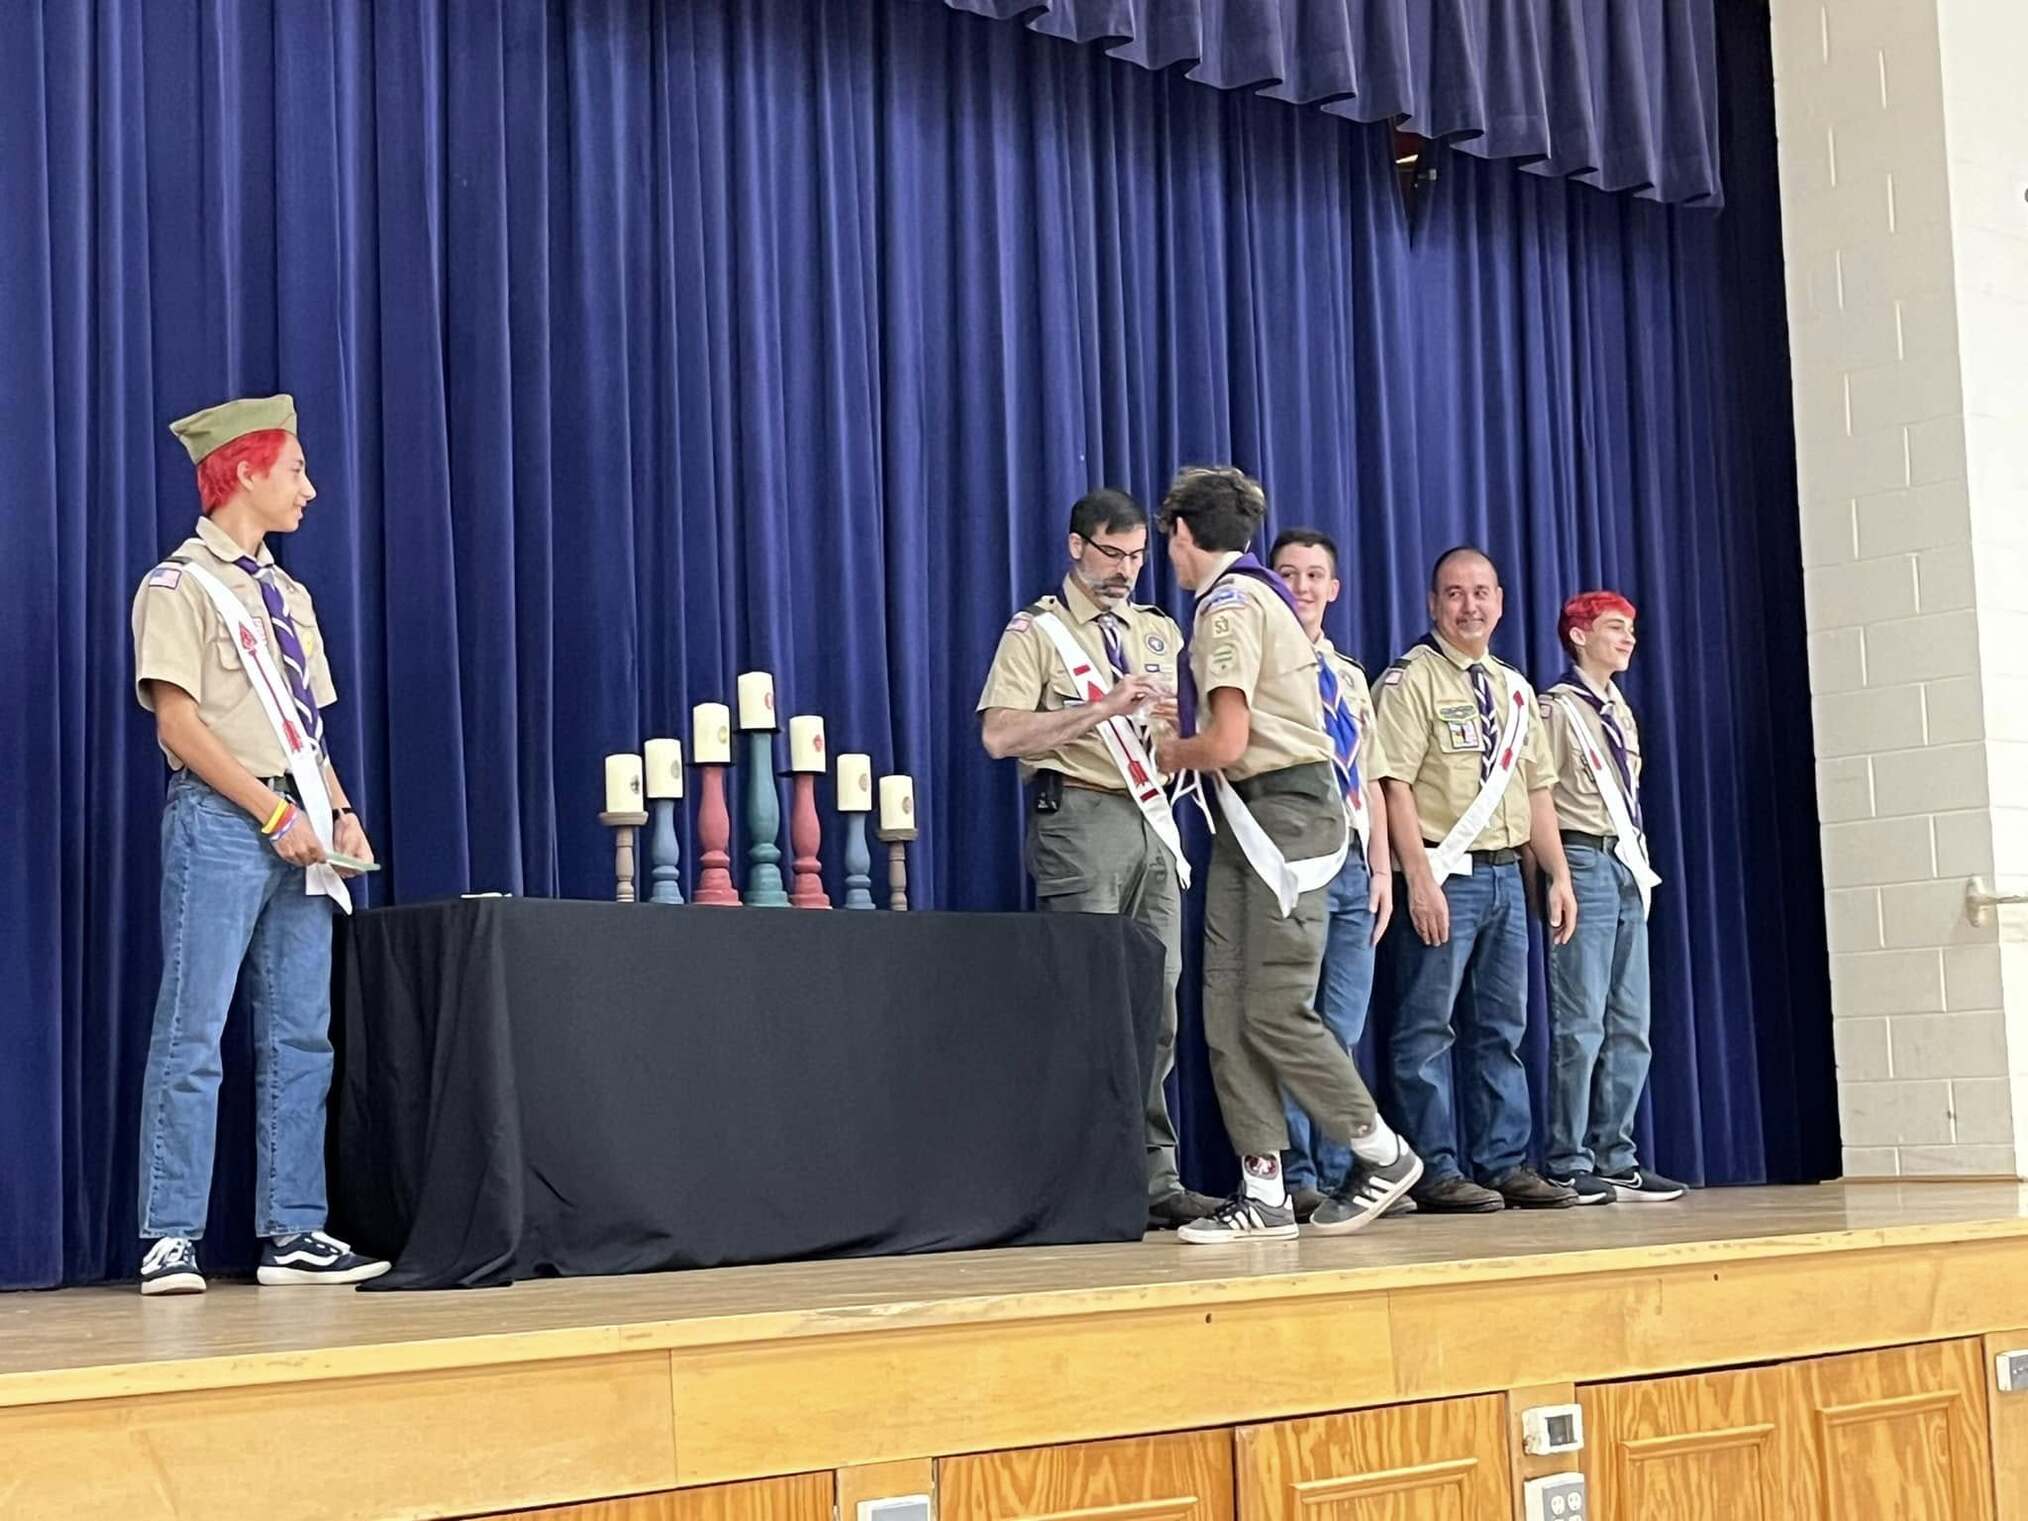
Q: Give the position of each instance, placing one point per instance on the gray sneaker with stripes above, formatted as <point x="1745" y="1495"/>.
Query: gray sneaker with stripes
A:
<point x="1242" y="1219"/>
<point x="1367" y="1195"/>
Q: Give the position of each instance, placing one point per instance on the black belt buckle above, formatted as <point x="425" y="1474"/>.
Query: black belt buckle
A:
<point x="1048" y="791"/>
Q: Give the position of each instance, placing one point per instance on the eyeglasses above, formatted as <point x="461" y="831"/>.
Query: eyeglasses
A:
<point x="1118" y="556"/>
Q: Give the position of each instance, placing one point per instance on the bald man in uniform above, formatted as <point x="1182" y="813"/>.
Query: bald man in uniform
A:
<point x="1068" y="668"/>
<point x="1467" y="777"/>
<point x="1282" y="837"/>
<point x="229" y="658"/>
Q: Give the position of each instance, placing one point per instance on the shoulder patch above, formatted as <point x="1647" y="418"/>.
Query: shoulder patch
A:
<point x="1224" y="596"/>
<point x="1394" y="674"/>
<point x="167" y="577"/>
<point x="1020" y="623"/>
<point x="1546" y="706"/>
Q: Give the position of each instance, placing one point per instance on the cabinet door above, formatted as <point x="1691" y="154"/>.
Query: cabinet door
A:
<point x="1901" y="1434"/>
<point x="805" y="1497"/>
<point x="1707" y="1447"/>
<point x="1445" y="1460"/>
<point x="2009" y="1427"/>
<point x="1186" y="1477"/>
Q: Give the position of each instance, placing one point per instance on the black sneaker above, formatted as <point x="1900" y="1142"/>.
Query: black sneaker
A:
<point x="1525" y="1188"/>
<point x="1305" y="1202"/>
<point x="1589" y="1188"/>
<point x="313" y="1257"/>
<point x="171" y="1267"/>
<point x="1637" y="1186"/>
<point x="1457" y="1196"/>
<point x="1179" y="1208"/>
<point x="1367" y="1195"/>
<point x="1242" y="1219"/>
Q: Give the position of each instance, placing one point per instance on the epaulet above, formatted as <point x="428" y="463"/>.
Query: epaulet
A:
<point x="1023" y="620"/>
<point x="1156" y="608"/>
<point x="1351" y="660"/>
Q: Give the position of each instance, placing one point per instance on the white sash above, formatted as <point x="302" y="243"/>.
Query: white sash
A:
<point x="1289" y="879"/>
<point x="273" y="694"/>
<point x="1453" y="858"/>
<point x="1123" y="744"/>
<point x="1628" y="845"/>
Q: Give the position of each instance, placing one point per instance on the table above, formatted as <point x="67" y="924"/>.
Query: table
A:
<point x="536" y="1087"/>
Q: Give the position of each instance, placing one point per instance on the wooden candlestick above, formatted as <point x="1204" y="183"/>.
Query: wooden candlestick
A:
<point x="623" y="826"/>
<point x="763" y="824"/>
<point x="858" y="864"/>
<point x="897" y="866"/>
<point x="714" y="840"/>
<point x="807" y="839"/>
<point x="666" y="854"/>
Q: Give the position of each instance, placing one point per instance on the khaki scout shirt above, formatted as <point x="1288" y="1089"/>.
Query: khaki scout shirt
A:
<point x="1371" y="756"/>
<point x="1429" y="727"/>
<point x="1245" y="637"/>
<point x="179" y="638"/>
<point x="1027" y="674"/>
<point x="1579" y="805"/>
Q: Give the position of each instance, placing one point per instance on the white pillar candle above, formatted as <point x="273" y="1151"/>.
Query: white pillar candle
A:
<point x="897" y="802"/>
<point x="757" y="701"/>
<point x="806" y="743"/>
<point x="855" y="784"/>
<point x="623" y="784"/>
<point x="711" y="734"/>
<point x="665" y="767"/>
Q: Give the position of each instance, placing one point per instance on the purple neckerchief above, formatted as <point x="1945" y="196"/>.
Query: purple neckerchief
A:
<point x="1186" y="679"/>
<point x="1616" y="741"/>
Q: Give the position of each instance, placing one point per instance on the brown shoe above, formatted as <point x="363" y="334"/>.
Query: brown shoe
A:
<point x="1456" y="1196"/>
<point x="1172" y="1211"/>
<point x="1525" y="1188"/>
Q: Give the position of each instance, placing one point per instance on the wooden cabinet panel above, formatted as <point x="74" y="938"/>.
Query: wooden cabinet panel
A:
<point x="1700" y="1448"/>
<point x="1901" y="1434"/>
<point x="803" y="1497"/>
<point x="1444" y="1460"/>
<point x="2009" y="1428"/>
<point x="1186" y="1477"/>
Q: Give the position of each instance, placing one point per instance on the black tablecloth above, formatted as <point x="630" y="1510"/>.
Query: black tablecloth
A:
<point x="532" y="1087"/>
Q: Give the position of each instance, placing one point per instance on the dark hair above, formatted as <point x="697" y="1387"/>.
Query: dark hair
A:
<point x="1451" y="554"/>
<point x="1315" y="538"/>
<point x="1223" y="504"/>
<point x="1106" y="510"/>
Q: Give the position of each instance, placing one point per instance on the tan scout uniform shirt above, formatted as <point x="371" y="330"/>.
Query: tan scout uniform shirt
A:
<point x="1245" y="637"/>
<point x="179" y="638"/>
<point x="1371" y="756"/>
<point x="1027" y="674"/>
<point x="1429" y="727"/>
<point x="1579" y="805"/>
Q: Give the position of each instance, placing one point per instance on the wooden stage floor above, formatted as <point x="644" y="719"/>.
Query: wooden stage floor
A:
<point x="657" y="1381"/>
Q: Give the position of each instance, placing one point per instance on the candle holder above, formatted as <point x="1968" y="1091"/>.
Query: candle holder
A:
<point x="858" y="864"/>
<point x="807" y="838"/>
<point x="666" y="855"/>
<point x="714" y="840"/>
<point x="897" y="866"/>
<point x="623" y="826"/>
<point x="763" y="824"/>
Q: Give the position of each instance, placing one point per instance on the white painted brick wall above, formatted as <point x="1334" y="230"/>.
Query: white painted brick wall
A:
<point x="1904" y="155"/>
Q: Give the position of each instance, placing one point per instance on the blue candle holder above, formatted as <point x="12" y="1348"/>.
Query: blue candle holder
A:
<point x="858" y="863"/>
<point x="665" y="853"/>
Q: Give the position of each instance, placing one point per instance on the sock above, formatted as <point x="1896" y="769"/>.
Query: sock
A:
<point x="1263" y="1179"/>
<point x="1379" y="1146"/>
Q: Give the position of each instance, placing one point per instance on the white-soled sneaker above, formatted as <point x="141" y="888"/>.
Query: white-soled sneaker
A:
<point x="171" y="1267"/>
<point x="1242" y="1219"/>
<point x="313" y="1257"/>
<point x="1638" y="1186"/>
<point x="1368" y="1194"/>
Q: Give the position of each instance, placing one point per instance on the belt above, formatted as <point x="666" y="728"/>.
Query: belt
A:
<point x="1506" y="856"/>
<point x="1071" y="781"/>
<point x="284" y="786"/>
<point x="1601" y="842"/>
<point x="1311" y="778"/>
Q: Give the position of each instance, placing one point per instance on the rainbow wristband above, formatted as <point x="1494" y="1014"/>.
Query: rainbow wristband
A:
<point x="279" y="821"/>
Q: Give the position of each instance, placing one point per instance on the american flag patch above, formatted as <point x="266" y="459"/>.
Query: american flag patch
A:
<point x="168" y="577"/>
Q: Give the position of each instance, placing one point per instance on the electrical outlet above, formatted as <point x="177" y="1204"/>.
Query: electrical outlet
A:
<point x="1559" y="1497"/>
<point x="2010" y="1371"/>
<point x="896" y="1508"/>
<point x="1547" y="1429"/>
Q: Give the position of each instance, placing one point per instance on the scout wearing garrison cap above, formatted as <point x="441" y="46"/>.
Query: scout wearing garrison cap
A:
<point x="229" y="657"/>
<point x="1467" y="778"/>
<point x="1598" y="980"/>
<point x="1068" y="682"/>
<point x="1283" y="832"/>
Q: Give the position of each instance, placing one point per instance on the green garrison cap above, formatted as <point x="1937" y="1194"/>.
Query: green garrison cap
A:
<point x="212" y="429"/>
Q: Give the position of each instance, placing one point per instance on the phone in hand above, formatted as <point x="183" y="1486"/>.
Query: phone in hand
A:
<point x="346" y="863"/>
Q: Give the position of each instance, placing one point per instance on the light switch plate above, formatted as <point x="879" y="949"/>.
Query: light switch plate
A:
<point x="2010" y="1371"/>
<point x="1547" y="1429"/>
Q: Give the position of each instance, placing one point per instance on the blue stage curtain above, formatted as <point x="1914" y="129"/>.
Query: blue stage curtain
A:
<point x="638" y="345"/>
<point x="1619" y="94"/>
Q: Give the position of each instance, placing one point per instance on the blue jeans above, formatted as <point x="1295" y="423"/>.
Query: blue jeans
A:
<point x="1481" y="975"/>
<point x="1313" y="1159"/>
<point x="1598" y="1020"/>
<point x="231" y="905"/>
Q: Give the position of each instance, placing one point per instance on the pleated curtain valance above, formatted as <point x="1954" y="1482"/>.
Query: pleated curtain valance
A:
<point x="1618" y="94"/>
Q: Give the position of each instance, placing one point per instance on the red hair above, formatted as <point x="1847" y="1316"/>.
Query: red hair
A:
<point x="1585" y="609"/>
<point x="218" y="471"/>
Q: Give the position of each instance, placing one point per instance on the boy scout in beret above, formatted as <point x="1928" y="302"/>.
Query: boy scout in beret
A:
<point x="1282" y="837"/>
<point x="1069" y="676"/>
<point x="229" y="658"/>
<point x="1598" y="979"/>
<point x="1467" y="777"/>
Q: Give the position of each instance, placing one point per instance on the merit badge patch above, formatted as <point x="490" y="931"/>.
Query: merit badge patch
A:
<point x="168" y="577"/>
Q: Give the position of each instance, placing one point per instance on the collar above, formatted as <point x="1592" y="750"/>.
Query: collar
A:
<point x="1219" y="567"/>
<point x="1324" y="646"/>
<point x="1458" y="657"/>
<point x="1084" y="607"/>
<point x="222" y="544"/>
<point x="1608" y="694"/>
